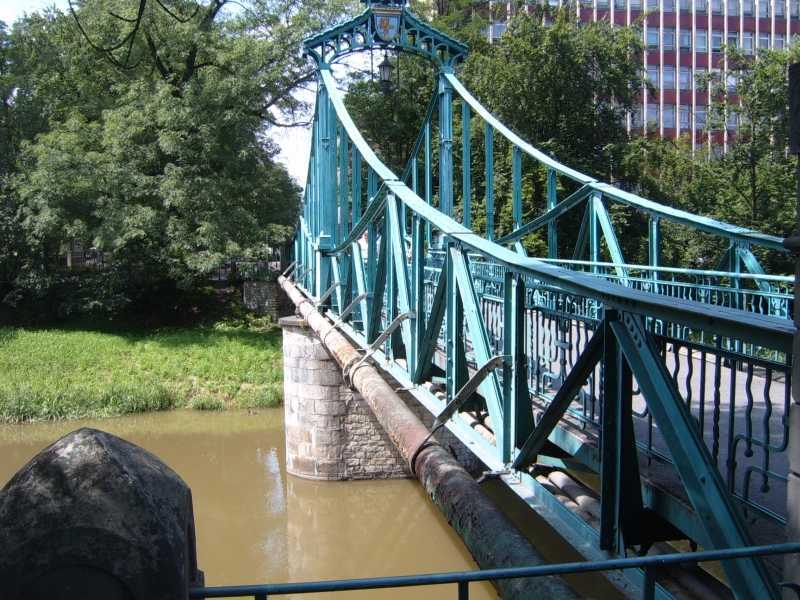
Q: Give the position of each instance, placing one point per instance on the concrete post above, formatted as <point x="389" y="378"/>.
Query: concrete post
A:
<point x="97" y="518"/>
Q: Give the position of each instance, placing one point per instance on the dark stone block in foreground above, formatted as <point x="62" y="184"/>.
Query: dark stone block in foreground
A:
<point x="93" y="516"/>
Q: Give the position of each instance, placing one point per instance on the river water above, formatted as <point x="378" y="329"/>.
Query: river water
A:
<point x="255" y="524"/>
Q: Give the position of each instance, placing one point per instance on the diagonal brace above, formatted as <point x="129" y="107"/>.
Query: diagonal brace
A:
<point x="722" y="525"/>
<point x="580" y="372"/>
<point x="465" y="393"/>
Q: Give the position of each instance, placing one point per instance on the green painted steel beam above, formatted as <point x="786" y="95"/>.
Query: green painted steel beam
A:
<point x="490" y="387"/>
<point x="516" y="186"/>
<point x="552" y="227"/>
<point x="402" y="288"/>
<point x="488" y="137"/>
<point x="575" y="380"/>
<point x="723" y="526"/>
<point x="610" y="237"/>
<point x="445" y="146"/>
<point x="518" y="423"/>
<point x="768" y="331"/>
<point x="550" y="217"/>
<point x="615" y="194"/>
<point x="466" y="167"/>
<point x="427" y="346"/>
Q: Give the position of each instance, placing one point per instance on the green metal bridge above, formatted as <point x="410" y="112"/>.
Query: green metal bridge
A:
<point x="671" y="384"/>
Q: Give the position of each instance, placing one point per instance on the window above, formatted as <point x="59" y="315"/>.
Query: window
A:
<point x="636" y="117"/>
<point x="700" y="117"/>
<point x="685" y="116"/>
<point x="794" y="9"/>
<point x="733" y="8"/>
<point x="716" y="41"/>
<point x="652" y="38"/>
<point x="716" y="7"/>
<point x="498" y="29"/>
<point x="619" y="4"/>
<point x="668" y="5"/>
<point x="636" y="4"/>
<point x="686" y="5"/>
<point x="652" y="4"/>
<point x="602" y="3"/>
<point x="730" y="83"/>
<point x="669" y="38"/>
<point x="686" y="39"/>
<point x="669" y="116"/>
<point x="763" y="9"/>
<point x="686" y="78"/>
<point x="668" y="77"/>
<point x="701" y="78"/>
<point x="779" y="8"/>
<point x="652" y="114"/>
<point x="779" y="41"/>
<point x="763" y="39"/>
<point x="701" y="40"/>
<point x="652" y="75"/>
<point x="700" y="6"/>
<point x="747" y="7"/>
<point x="732" y="122"/>
<point x="747" y="42"/>
<point x="733" y="39"/>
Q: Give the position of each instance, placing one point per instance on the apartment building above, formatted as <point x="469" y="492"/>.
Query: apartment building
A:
<point x="684" y="43"/>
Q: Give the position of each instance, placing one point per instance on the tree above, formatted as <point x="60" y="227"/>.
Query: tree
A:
<point x="155" y="151"/>
<point x="564" y="86"/>
<point x="752" y="184"/>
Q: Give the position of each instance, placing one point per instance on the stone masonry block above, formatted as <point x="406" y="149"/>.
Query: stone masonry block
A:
<point x="324" y="407"/>
<point x="324" y="377"/>
<point x="313" y="392"/>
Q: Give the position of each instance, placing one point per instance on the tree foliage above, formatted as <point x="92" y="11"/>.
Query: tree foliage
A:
<point x="752" y="184"/>
<point x="564" y="86"/>
<point x="143" y="129"/>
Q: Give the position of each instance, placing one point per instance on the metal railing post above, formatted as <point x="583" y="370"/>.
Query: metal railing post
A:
<point x="463" y="590"/>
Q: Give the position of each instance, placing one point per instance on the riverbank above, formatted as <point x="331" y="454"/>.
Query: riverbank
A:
<point x="80" y="372"/>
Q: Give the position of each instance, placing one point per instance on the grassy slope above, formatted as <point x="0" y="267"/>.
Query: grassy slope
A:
<point x="72" y="373"/>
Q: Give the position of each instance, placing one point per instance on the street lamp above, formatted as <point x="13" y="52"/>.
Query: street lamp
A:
<point x="385" y="73"/>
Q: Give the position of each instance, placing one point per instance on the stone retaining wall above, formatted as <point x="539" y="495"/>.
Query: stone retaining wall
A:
<point x="266" y="298"/>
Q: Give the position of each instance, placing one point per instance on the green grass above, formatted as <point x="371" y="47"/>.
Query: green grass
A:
<point x="62" y="373"/>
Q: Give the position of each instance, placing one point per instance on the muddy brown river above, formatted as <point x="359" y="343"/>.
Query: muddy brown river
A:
<point x="255" y="524"/>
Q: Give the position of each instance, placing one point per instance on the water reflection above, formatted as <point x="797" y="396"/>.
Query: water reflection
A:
<point x="255" y="524"/>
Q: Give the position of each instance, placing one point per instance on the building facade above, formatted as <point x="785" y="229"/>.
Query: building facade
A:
<point x="684" y="43"/>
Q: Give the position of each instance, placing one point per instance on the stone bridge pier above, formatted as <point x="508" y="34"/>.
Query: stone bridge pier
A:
<point x="331" y="432"/>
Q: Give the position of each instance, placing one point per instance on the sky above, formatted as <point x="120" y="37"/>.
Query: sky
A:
<point x="295" y="142"/>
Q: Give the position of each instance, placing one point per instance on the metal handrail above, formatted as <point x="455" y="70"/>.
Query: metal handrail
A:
<point x="650" y="564"/>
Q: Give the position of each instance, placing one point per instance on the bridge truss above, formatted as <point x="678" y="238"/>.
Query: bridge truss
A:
<point x="628" y="371"/>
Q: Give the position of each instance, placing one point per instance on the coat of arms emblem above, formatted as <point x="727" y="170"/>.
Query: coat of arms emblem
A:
<point x="387" y="24"/>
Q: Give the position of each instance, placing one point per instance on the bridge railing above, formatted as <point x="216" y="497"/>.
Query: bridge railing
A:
<point x="739" y="394"/>
<point x="651" y="565"/>
<point x="610" y="357"/>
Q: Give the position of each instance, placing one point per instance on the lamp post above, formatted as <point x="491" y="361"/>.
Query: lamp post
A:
<point x="385" y="73"/>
